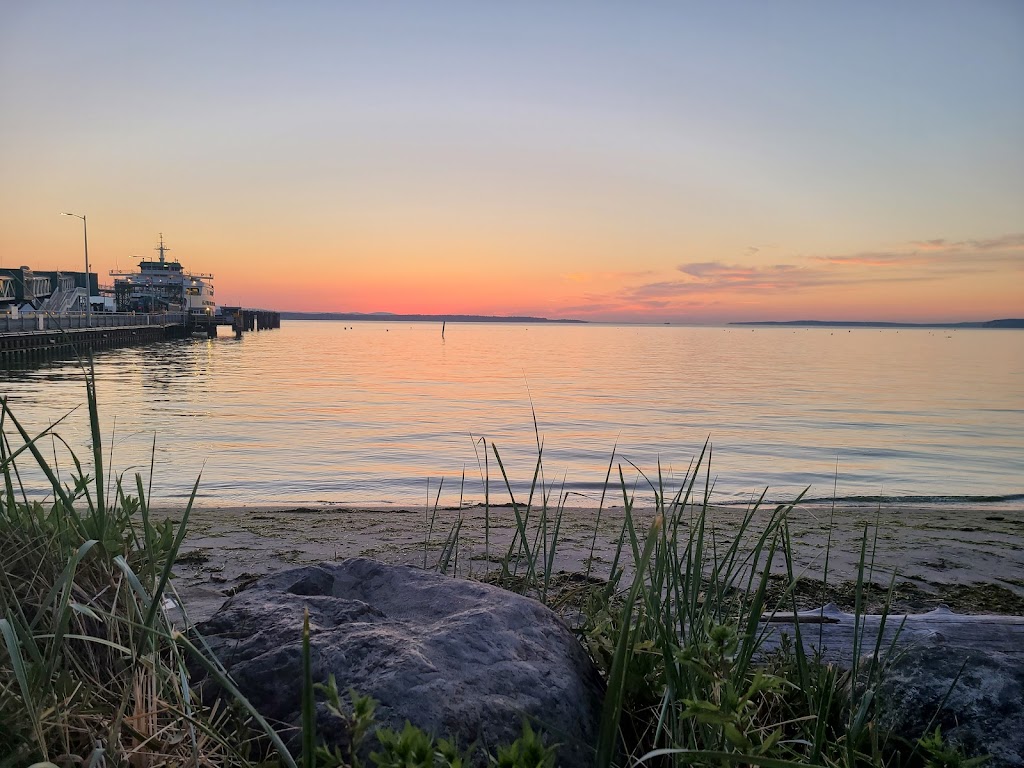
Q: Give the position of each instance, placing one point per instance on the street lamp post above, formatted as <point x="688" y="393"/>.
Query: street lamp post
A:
<point x="88" y="282"/>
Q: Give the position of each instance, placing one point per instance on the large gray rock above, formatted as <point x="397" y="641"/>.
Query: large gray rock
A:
<point x="965" y="671"/>
<point x="457" y="658"/>
<point x="982" y="712"/>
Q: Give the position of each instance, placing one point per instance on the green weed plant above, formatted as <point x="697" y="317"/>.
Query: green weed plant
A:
<point x="679" y="629"/>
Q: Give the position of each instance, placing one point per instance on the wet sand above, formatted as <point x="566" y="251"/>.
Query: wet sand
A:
<point x="970" y="557"/>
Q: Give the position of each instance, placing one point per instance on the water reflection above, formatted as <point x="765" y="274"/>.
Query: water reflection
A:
<point x="318" y="411"/>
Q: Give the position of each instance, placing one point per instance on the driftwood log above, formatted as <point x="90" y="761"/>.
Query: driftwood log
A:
<point x="832" y="631"/>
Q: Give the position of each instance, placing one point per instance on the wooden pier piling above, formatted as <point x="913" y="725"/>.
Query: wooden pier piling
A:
<point x="240" y="319"/>
<point x="26" y="348"/>
<point x="26" y="341"/>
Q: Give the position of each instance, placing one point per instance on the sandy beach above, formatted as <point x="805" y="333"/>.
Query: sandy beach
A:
<point x="970" y="557"/>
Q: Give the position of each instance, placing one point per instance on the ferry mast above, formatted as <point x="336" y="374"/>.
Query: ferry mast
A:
<point x="162" y="249"/>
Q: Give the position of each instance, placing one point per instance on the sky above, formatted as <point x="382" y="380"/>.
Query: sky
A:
<point x="653" y="161"/>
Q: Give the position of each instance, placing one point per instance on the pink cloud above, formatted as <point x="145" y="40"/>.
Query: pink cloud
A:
<point x="700" y="285"/>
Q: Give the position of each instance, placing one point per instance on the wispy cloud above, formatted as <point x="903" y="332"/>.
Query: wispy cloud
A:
<point x="981" y="254"/>
<point x="600" y="304"/>
<point x="872" y="259"/>
<point x="606" y="276"/>
<point x="713" y="272"/>
<point x="1008" y="242"/>
<point x="709" y="278"/>
<point x="931" y="245"/>
<point x="701" y="284"/>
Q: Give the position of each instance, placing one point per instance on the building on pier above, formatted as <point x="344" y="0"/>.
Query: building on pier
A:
<point x="57" y="292"/>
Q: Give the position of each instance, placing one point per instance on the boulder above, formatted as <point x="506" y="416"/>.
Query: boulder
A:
<point x="976" y="697"/>
<point x="965" y="671"/>
<point x="460" y="659"/>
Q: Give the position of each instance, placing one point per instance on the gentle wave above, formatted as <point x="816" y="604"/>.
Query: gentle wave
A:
<point x="319" y="412"/>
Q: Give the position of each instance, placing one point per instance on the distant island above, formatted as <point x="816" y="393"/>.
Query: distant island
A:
<point x="1006" y="323"/>
<point x="399" y="318"/>
<point x="390" y="317"/>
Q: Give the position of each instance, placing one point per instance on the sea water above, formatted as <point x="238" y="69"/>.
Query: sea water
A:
<point x="383" y="412"/>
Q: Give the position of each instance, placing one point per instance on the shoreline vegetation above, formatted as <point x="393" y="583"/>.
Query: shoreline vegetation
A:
<point x="97" y="665"/>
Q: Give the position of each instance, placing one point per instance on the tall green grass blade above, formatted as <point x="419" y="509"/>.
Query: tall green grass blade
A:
<point x="5" y="460"/>
<point x="940" y="709"/>
<point x="152" y="464"/>
<point x="11" y="640"/>
<point x="308" y="702"/>
<point x="627" y="503"/>
<point x="12" y="469"/>
<point x="30" y="444"/>
<point x="138" y="588"/>
<point x="549" y="566"/>
<point x="450" y="546"/>
<point x="828" y="546"/>
<point x="433" y="518"/>
<point x="462" y="488"/>
<point x="171" y="556"/>
<point x="121" y="649"/>
<point x="485" y="479"/>
<point x="63" y="584"/>
<point x="803" y="671"/>
<point x="97" y="441"/>
<point x="520" y="522"/>
<point x="710" y="757"/>
<point x="525" y="551"/>
<point x="8" y="458"/>
<point x="62" y="610"/>
<point x="600" y="508"/>
<point x="222" y="679"/>
<point x="611" y="712"/>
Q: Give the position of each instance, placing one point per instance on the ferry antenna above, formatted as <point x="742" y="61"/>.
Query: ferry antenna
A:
<point x="162" y="248"/>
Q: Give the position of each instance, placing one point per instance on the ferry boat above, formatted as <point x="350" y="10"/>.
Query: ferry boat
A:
<point x="163" y="286"/>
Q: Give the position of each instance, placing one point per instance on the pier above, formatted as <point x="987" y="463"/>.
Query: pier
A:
<point x="239" y="318"/>
<point x="31" y="339"/>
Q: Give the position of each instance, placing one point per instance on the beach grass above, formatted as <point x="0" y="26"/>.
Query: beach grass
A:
<point x="678" y="632"/>
<point x="90" y="671"/>
<point x="93" y="672"/>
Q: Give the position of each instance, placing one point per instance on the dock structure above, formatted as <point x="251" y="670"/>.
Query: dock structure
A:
<point x="241" y="319"/>
<point x="46" y="314"/>
<point x="32" y="339"/>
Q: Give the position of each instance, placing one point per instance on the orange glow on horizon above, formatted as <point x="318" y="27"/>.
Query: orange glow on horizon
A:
<point x="925" y="281"/>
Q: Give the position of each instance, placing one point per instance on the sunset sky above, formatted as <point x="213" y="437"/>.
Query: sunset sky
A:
<point x="691" y="162"/>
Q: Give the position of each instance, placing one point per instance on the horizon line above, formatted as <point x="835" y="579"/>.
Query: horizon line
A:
<point x="478" y="317"/>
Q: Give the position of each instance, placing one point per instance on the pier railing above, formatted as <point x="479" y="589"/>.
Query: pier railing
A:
<point x="44" y="322"/>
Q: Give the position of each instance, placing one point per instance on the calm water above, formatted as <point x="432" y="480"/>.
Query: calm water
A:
<point x="329" y="412"/>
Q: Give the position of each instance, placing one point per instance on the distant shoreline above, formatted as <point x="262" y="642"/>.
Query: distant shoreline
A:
<point x="1005" y="323"/>
<point x="387" y="317"/>
<point x="378" y="317"/>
